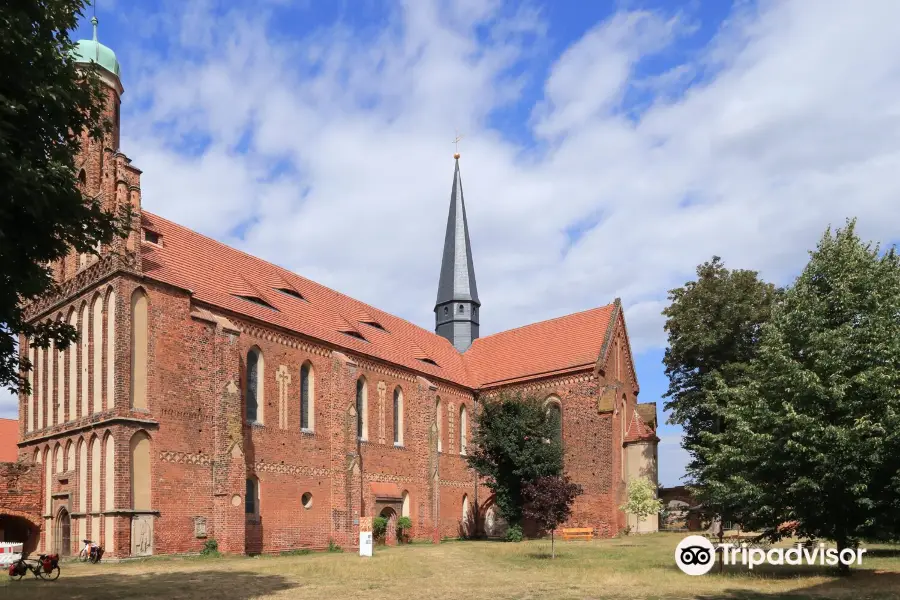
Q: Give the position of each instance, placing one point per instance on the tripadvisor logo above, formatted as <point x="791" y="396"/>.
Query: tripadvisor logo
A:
<point x="695" y="555"/>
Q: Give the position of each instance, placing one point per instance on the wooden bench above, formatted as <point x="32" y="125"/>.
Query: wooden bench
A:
<point x="576" y="533"/>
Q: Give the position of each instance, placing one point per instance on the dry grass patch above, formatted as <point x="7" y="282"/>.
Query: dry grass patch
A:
<point x="632" y="567"/>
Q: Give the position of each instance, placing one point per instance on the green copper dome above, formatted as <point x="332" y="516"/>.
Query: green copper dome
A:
<point x="93" y="51"/>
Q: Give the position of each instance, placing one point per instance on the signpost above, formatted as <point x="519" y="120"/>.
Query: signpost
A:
<point x="365" y="536"/>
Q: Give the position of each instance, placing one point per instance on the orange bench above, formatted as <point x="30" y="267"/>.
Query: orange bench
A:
<point x="576" y="533"/>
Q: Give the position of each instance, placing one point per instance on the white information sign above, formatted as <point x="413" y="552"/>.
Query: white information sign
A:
<point x="365" y="543"/>
<point x="365" y="536"/>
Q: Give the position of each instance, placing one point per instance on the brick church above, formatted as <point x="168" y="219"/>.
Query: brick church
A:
<point x="213" y="395"/>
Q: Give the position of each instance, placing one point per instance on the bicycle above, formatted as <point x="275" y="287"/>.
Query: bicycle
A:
<point x="90" y="552"/>
<point x="46" y="567"/>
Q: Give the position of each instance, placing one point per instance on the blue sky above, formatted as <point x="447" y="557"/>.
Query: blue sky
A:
<point x="609" y="147"/>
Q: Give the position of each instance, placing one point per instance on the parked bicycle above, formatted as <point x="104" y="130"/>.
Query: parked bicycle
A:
<point x="91" y="552"/>
<point x="46" y="567"/>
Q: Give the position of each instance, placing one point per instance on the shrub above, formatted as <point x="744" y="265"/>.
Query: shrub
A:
<point x="333" y="547"/>
<point x="514" y="533"/>
<point x="404" y="527"/>
<point x="379" y="528"/>
<point x="210" y="548"/>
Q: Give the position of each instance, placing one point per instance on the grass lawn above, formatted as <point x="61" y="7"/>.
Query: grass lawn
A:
<point x="630" y="567"/>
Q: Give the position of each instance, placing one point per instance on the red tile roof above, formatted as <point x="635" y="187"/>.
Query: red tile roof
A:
<point x="9" y="436"/>
<point x="219" y="275"/>
<point x="543" y="348"/>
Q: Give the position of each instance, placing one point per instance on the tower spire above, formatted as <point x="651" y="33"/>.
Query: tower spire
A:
<point x="456" y="308"/>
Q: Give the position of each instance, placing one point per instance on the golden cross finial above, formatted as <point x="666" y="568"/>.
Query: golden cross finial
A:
<point x="456" y="141"/>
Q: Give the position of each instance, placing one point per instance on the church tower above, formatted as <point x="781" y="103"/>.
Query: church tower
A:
<point x="456" y="309"/>
<point x="104" y="172"/>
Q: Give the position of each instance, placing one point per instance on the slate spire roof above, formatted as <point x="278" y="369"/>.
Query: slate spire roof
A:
<point x="457" y="281"/>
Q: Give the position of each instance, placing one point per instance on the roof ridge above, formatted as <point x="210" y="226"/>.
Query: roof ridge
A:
<point x="580" y="312"/>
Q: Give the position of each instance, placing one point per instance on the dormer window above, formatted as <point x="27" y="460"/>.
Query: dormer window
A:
<point x="152" y="237"/>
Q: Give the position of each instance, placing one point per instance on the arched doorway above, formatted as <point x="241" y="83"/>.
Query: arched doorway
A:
<point x="390" y="533"/>
<point x="14" y="528"/>
<point x="63" y="535"/>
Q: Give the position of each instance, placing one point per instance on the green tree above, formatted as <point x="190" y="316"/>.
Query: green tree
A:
<point x="548" y="502"/>
<point x="47" y="107"/>
<point x="514" y="442"/>
<point x="814" y="433"/>
<point x="641" y="500"/>
<point x="713" y="327"/>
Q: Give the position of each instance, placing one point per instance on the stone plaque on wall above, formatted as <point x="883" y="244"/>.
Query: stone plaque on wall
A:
<point x="142" y="535"/>
<point x="200" y="527"/>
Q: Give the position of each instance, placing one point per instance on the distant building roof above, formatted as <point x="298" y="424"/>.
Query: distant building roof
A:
<point x="9" y="436"/>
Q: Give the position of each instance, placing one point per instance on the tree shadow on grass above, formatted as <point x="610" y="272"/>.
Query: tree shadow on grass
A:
<point x="175" y="585"/>
<point x="883" y="553"/>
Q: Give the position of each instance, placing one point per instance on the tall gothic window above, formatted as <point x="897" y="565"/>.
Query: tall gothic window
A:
<point x="254" y="380"/>
<point x="463" y="427"/>
<point x="361" y="409"/>
<point x="139" y="344"/>
<point x="251" y="505"/>
<point x="398" y="416"/>
<point x="440" y="424"/>
<point x="306" y="405"/>
<point x="554" y="413"/>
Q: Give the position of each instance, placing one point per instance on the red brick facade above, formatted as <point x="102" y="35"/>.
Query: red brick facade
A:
<point x="313" y="486"/>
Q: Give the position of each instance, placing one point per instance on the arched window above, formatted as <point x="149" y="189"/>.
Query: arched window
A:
<point x="139" y="342"/>
<point x="251" y="504"/>
<point x="255" y="379"/>
<point x="404" y="507"/>
<point x="82" y="476"/>
<point x="72" y="353"/>
<point x="554" y="414"/>
<point x="82" y="179"/>
<point x="362" y="409"/>
<point x="30" y="421"/>
<point x="84" y="337"/>
<point x="60" y="382"/>
<point x="398" y="416"/>
<point x="439" y="421"/>
<point x="462" y="309"/>
<point x="97" y="359"/>
<point x="70" y="456"/>
<point x="58" y="458"/>
<point x="95" y="474"/>
<point x="463" y="428"/>
<point x="109" y="473"/>
<point x="307" y="397"/>
<point x="140" y="471"/>
<point x="110" y="350"/>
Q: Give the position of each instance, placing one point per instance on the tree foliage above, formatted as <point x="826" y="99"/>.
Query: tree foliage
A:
<point x="641" y="499"/>
<point x="46" y="109"/>
<point x="515" y="442"/>
<point x="548" y="502"/>
<point x="814" y="433"/>
<point x="713" y="327"/>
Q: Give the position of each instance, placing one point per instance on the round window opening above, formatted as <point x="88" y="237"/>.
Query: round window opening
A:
<point x="306" y="499"/>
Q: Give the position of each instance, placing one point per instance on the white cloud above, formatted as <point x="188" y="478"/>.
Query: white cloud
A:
<point x="332" y="152"/>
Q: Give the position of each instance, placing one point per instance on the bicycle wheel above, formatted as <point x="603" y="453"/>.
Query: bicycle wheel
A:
<point x="20" y="573"/>
<point x="53" y="575"/>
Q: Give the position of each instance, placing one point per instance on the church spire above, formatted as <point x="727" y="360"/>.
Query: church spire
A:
<point x="456" y="309"/>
